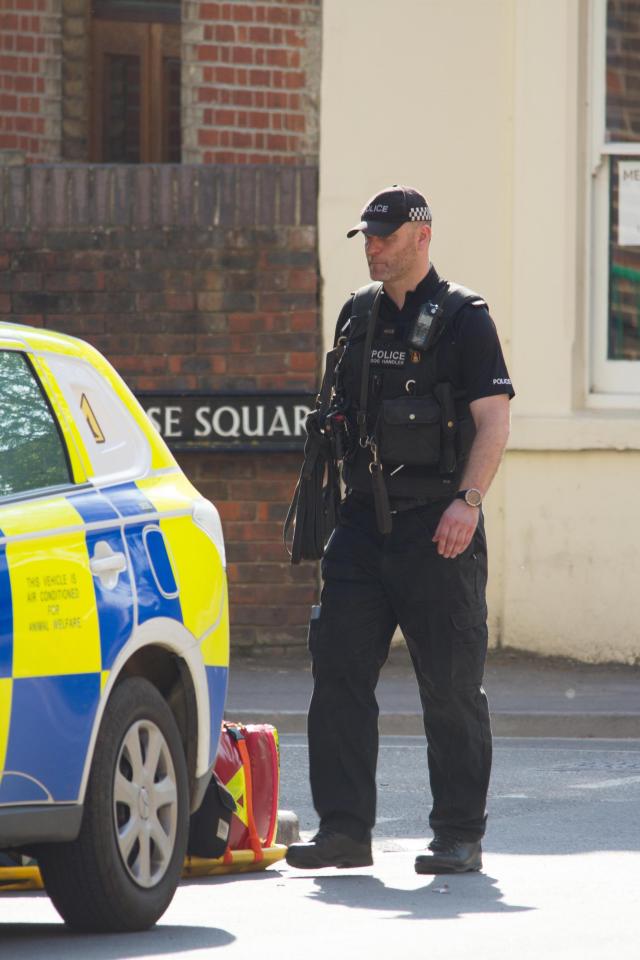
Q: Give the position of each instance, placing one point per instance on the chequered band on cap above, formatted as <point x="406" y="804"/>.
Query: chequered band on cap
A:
<point x="420" y="213"/>
<point x="385" y="212"/>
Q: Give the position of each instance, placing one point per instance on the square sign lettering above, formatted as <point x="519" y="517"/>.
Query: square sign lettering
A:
<point x="257" y="421"/>
<point x="629" y="203"/>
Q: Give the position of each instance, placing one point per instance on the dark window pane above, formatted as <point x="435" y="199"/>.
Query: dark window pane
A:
<point x="171" y="72"/>
<point x="31" y="451"/>
<point x="150" y="5"/>
<point x="122" y="109"/>
<point x="623" y="71"/>
<point x="137" y="10"/>
<point x="624" y="272"/>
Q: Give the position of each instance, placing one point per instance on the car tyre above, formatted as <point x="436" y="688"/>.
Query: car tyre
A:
<point x="121" y="872"/>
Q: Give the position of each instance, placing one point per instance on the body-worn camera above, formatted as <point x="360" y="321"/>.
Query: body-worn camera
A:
<point x="424" y="326"/>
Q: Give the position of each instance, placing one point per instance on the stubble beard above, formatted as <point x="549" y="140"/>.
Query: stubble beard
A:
<point x="395" y="268"/>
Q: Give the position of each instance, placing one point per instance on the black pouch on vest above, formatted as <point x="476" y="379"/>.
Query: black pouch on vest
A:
<point x="408" y="431"/>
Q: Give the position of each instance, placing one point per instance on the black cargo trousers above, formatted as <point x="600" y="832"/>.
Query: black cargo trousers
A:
<point x="372" y="583"/>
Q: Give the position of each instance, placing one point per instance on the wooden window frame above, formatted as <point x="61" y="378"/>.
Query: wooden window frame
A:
<point x="151" y="42"/>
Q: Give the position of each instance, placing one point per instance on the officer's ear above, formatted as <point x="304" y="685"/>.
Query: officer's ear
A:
<point x="424" y="236"/>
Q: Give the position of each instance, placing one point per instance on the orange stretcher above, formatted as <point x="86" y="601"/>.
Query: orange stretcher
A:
<point x="248" y="765"/>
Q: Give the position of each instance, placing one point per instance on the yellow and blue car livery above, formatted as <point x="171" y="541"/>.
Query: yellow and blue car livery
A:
<point x="113" y="566"/>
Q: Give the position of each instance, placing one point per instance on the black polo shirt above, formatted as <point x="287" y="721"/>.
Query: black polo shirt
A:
<point x="469" y="355"/>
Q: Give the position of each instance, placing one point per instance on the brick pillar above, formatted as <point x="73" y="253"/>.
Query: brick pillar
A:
<point x="251" y="81"/>
<point x="76" y="28"/>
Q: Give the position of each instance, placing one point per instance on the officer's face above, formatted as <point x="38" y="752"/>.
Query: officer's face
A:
<point x="395" y="257"/>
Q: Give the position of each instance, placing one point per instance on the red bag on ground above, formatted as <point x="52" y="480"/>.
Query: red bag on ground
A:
<point x="248" y="765"/>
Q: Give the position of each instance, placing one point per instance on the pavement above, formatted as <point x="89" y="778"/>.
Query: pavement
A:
<point x="529" y="695"/>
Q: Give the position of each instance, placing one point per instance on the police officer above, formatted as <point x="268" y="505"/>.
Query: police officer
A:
<point x="409" y="548"/>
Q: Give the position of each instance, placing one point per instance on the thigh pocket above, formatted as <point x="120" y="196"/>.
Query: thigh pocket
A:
<point x="469" y="647"/>
<point x="314" y="628"/>
<point x="326" y="654"/>
<point x="479" y="561"/>
<point x="470" y="622"/>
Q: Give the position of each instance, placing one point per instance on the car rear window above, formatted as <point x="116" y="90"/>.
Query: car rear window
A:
<point x="117" y="448"/>
<point x="32" y="452"/>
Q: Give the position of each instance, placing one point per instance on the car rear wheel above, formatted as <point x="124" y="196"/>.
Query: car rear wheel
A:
<point x="122" y="871"/>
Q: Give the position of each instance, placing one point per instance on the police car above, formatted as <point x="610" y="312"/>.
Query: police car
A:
<point x="114" y="636"/>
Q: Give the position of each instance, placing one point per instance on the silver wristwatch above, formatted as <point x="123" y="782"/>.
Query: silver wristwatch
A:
<point x="472" y="496"/>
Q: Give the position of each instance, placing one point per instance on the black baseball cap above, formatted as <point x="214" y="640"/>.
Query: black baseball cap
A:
<point x="389" y="209"/>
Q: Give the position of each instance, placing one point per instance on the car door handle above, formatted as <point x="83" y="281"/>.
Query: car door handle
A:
<point x="107" y="565"/>
<point x="116" y="564"/>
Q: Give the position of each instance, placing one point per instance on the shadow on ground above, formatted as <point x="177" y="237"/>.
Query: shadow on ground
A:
<point x="52" y="941"/>
<point x="443" y="898"/>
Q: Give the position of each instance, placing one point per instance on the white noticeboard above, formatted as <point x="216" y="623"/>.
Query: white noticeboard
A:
<point x="629" y="203"/>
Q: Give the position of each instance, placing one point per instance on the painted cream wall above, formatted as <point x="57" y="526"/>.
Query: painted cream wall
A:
<point x="484" y="107"/>
<point x="399" y="107"/>
<point x="571" y="578"/>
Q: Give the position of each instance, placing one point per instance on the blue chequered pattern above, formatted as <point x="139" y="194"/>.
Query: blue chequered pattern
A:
<point x="15" y="788"/>
<point x="130" y="502"/>
<point x="151" y="603"/>
<point x="217" y="683"/>
<point x="52" y="717"/>
<point x="51" y="722"/>
<point x="157" y="550"/>
<point x="115" y="606"/>
<point x="92" y="506"/>
<point x="6" y="617"/>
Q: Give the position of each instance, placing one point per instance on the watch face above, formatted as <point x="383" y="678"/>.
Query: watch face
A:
<point x="473" y="498"/>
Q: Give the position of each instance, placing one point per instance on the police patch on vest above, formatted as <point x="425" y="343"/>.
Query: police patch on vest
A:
<point x="386" y="356"/>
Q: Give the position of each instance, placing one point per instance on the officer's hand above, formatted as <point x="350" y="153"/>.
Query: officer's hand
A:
<point x="456" y="528"/>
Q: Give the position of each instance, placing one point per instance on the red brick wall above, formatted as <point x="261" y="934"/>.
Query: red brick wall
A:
<point x="195" y="278"/>
<point x="30" y="78"/>
<point x="623" y="70"/>
<point x="250" y="81"/>
<point x="270" y="599"/>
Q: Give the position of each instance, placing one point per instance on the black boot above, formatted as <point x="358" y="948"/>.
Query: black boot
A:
<point x="450" y="856"/>
<point x="330" y="849"/>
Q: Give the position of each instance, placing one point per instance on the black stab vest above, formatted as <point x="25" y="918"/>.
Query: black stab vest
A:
<point x="389" y="382"/>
